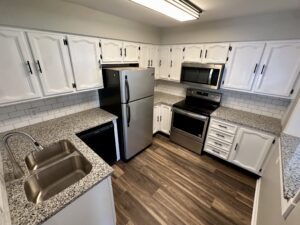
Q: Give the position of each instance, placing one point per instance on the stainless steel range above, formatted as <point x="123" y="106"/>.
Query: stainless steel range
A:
<point x="191" y="118"/>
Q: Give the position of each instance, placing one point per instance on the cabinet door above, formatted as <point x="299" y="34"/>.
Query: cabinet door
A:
<point x="112" y="51"/>
<point x="85" y="56"/>
<point x="280" y="68"/>
<point x="144" y="61"/>
<point x="18" y="79"/>
<point x="250" y="149"/>
<point x="131" y="52"/>
<point x="156" y="119"/>
<point x="241" y="68"/>
<point x="193" y="53"/>
<point x="154" y="61"/>
<point x="216" y="53"/>
<point x="176" y="61"/>
<point x="164" y="62"/>
<point x="166" y="115"/>
<point x="52" y="62"/>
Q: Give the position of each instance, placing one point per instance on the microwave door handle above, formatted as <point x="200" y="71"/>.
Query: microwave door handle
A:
<point x="210" y="76"/>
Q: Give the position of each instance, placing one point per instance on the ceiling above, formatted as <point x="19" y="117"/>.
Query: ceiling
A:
<point x="213" y="9"/>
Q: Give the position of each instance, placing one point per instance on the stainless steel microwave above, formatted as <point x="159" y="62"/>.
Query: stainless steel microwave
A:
<point x="202" y="75"/>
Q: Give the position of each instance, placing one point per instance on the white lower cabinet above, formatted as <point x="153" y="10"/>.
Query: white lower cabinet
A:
<point x="250" y="149"/>
<point x="95" y="207"/>
<point x="162" y="118"/>
<point x="244" y="147"/>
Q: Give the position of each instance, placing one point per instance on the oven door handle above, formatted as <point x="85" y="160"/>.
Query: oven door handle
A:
<point x="193" y="115"/>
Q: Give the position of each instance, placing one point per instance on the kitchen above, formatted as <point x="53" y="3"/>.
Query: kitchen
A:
<point x="113" y="116"/>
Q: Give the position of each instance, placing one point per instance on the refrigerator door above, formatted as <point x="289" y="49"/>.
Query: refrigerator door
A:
<point x="136" y="83"/>
<point x="137" y="126"/>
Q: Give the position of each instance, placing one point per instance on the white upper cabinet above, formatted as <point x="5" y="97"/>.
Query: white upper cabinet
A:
<point x="85" y="57"/>
<point x="144" y="61"/>
<point x="279" y="69"/>
<point x="118" y="52"/>
<point x="215" y="53"/>
<point x="164" y="62"/>
<point x="242" y="66"/>
<point x="18" y="79"/>
<point x="250" y="149"/>
<point x="193" y="53"/>
<point x="52" y="61"/>
<point x="176" y="61"/>
<point x="131" y="52"/>
<point x="112" y="51"/>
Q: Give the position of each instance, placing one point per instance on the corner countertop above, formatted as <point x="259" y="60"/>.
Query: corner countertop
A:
<point x="168" y="99"/>
<point x="290" y="159"/>
<point x="24" y="212"/>
<point x="263" y="123"/>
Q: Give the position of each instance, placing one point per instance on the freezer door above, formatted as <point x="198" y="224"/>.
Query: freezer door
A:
<point x="137" y="126"/>
<point x="136" y="84"/>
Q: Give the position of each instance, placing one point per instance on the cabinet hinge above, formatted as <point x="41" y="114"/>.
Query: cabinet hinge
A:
<point x="139" y="48"/>
<point x="66" y="42"/>
<point x="170" y="49"/>
<point x="292" y="91"/>
<point x="227" y="59"/>
<point x="260" y="170"/>
<point x="230" y="47"/>
<point x="100" y="45"/>
<point x="183" y="49"/>
<point x="74" y="85"/>
<point x="274" y="141"/>
<point x="101" y="56"/>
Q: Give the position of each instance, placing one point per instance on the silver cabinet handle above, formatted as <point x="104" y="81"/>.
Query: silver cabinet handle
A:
<point x="215" y="151"/>
<point x="263" y="69"/>
<point x="222" y="126"/>
<point x="218" y="144"/>
<point x="255" y="68"/>
<point x="236" y="146"/>
<point x="29" y="67"/>
<point x="220" y="135"/>
<point x="39" y="66"/>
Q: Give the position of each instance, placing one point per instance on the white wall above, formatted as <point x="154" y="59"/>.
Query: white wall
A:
<point x="23" y="114"/>
<point x="258" y="104"/>
<point x="275" y="26"/>
<point x="55" y="15"/>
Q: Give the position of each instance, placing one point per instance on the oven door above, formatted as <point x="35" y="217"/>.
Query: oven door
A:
<point x="189" y="124"/>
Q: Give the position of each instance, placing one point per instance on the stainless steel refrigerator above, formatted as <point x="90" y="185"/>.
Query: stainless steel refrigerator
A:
<point x="128" y="93"/>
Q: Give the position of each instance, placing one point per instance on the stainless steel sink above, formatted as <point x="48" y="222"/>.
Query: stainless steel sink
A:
<point x="56" y="177"/>
<point x="50" y="154"/>
<point x="54" y="169"/>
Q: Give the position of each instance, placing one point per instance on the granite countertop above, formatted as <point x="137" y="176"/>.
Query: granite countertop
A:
<point x="168" y="99"/>
<point x="251" y="120"/>
<point x="290" y="159"/>
<point x="24" y="212"/>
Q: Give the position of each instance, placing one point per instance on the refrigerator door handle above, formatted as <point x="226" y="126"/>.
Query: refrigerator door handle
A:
<point x="128" y="114"/>
<point x="127" y="90"/>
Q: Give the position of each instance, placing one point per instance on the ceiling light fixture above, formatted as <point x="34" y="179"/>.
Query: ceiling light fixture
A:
<point x="181" y="10"/>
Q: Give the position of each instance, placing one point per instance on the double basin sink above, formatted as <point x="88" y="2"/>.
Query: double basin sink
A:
<point x="54" y="169"/>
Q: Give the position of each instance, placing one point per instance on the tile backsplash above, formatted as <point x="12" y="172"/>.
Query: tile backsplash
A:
<point x="263" y="105"/>
<point x="23" y="114"/>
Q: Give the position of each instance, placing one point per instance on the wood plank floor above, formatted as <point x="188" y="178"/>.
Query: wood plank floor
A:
<point x="167" y="184"/>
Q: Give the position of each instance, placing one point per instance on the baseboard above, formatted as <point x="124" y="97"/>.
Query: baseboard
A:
<point x="256" y="202"/>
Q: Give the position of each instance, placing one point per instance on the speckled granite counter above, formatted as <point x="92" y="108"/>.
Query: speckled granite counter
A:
<point x="160" y="97"/>
<point x="290" y="159"/>
<point x="24" y="212"/>
<point x="251" y="120"/>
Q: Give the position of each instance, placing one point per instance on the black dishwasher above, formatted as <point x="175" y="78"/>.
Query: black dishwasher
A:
<point x="101" y="140"/>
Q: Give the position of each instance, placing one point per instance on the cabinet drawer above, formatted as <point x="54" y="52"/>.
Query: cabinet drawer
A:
<point x="223" y="126"/>
<point x="216" y="151"/>
<point x="220" y="135"/>
<point x="218" y="144"/>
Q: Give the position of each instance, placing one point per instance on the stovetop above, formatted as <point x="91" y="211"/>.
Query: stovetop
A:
<point x="202" y="108"/>
<point x="200" y="102"/>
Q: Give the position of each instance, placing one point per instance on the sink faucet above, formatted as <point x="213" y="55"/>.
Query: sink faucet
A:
<point x="18" y="172"/>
